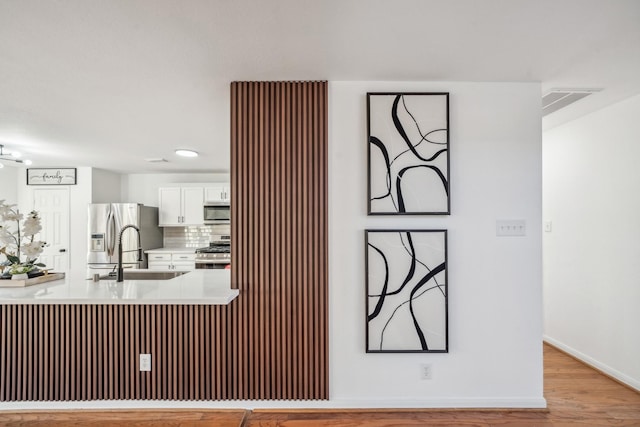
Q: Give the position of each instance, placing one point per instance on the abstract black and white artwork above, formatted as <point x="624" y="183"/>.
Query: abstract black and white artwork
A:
<point x="406" y="274"/>
<point x="408" y="150"/>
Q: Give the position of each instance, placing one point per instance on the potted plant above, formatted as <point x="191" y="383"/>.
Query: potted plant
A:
<point x="18" y="243"/>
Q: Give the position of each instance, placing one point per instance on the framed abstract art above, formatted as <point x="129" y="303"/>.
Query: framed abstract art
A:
<point x="408" y="153"/>
<point x="406" y="291"/>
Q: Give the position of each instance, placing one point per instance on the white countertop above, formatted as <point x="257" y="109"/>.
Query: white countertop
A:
<point x="202" y="287"/>
<point x="171" y="250"/>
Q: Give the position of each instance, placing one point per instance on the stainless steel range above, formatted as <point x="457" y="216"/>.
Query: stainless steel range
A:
<point x="215" y="256"/>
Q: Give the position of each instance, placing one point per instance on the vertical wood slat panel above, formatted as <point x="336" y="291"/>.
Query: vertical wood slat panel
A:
<point x="279" y="230"/>
<point x="79" y="352"/>
<point x="271" y="343"/>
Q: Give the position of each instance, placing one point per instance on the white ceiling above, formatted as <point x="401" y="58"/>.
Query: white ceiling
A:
<point x="108" y="83"/>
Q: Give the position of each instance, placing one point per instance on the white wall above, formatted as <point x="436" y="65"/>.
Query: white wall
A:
<point x="106" y="186"/>
<point x="143" y="188"/>
<point x="591" y="256"/>
<point x="495" y="307"/>
<point x="9" y="183"/>
<point x="495" y="301"/>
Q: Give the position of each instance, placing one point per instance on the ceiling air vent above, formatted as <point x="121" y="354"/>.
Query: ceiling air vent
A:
<point x="156" y="160"/>
<point x="560" y="98"/>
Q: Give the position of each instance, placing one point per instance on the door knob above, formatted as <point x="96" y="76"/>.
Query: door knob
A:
<point x="62" y="250"/>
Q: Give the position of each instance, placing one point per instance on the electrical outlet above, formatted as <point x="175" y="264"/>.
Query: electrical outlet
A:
<point x="145" y="362"/>
<point x="425" y="371"/>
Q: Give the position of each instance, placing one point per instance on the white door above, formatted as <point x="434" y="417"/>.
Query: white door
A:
<point x="53" y="206"/>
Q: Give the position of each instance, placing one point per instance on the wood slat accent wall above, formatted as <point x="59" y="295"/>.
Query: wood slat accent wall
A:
<point x="91" y="352"/>
<point x="279" y="238"/>
<point x="271" y="343"/>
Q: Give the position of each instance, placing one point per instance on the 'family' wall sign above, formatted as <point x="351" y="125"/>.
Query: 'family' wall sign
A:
<point x="53" y="176"/>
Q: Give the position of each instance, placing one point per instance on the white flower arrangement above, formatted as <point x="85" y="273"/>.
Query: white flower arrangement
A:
<point x="16" y="241"/>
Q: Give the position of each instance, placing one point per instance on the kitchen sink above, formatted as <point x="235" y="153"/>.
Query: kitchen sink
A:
<point x="146" y="275"/>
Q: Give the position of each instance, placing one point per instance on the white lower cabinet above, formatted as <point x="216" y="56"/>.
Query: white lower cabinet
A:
<point x="180" y="261"/>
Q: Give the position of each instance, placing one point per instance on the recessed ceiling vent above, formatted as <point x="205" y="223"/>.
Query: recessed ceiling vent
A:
<point x="156" y="160"/>
<point x="560" y="98"/>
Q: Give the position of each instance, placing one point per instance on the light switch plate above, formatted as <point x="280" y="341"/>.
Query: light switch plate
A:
<point x="511" y="227"/>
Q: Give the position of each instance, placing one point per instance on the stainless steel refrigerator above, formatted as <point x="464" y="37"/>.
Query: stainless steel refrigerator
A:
<point x="105" y="223"/>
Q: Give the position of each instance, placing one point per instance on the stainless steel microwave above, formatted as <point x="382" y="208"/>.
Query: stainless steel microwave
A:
<point x="217" y="213"/>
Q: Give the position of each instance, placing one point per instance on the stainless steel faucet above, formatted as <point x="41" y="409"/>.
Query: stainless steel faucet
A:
<point x="120" y="277"/>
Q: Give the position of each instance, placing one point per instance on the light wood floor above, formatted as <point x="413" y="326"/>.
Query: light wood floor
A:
<point x="576" y="395"/>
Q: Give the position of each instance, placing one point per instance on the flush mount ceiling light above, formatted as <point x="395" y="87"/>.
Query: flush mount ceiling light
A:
<point x="186" y="153"/>
<point x="12" y="157"/>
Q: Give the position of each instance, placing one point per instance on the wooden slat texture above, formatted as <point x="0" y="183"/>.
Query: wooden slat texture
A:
<point x="271" y="343"/>
<point x="79" y="352"/>
<point x="279" y="235"/>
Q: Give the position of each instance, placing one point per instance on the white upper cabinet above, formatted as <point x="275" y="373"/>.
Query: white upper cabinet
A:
<point x="192" y="206"/>
<point x="179" y="206"/>
<point x="217" y="192"/>
<point x="170" y="206"/>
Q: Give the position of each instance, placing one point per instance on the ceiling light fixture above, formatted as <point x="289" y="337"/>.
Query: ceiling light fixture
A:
<point x="12" y="157"/>
<point x="186" y="153"/>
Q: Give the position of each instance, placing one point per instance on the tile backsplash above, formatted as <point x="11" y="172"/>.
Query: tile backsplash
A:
<point x="192" y="237"/>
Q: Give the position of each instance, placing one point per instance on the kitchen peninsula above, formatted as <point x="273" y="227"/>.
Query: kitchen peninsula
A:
<point x="202" y="287"/>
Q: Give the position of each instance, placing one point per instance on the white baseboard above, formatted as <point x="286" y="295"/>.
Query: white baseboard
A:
<point x="443" y="403"/>
<point x="623" y="378"/>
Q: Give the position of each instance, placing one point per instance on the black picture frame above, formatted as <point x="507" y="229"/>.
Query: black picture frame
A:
<point x="407" y="304"/>
<point x="405" y="176"/>
<point x="52" y="176"/>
